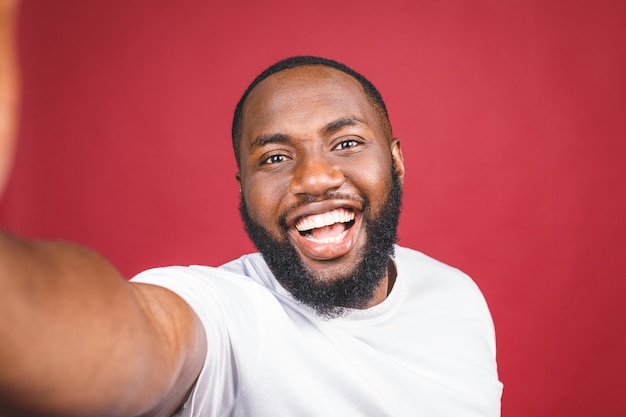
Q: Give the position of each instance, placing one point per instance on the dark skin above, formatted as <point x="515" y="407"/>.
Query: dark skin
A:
<point x="76" y="338"/>
<point x="79" y="340"/>
<point x="83" y="341"/>
<point x="9" y="84"/>
<point x="309" y="132"/>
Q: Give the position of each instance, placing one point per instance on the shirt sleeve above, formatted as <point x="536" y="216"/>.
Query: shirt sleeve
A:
<point x="212" y="294"/>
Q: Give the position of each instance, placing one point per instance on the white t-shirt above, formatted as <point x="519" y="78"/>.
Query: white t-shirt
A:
<point x="427" y="350"/>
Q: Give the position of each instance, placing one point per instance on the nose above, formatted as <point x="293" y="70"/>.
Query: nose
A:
<point x="315" y="175"/>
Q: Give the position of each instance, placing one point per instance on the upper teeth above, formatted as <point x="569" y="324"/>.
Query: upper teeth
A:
<point x="325" y="219"/>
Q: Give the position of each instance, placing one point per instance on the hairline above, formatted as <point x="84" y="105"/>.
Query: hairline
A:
<point x="372" y="95"/>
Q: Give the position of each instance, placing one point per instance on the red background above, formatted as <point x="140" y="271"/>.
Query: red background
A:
<point x="512" y="116"/>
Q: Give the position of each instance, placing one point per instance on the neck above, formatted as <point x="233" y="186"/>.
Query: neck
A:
<point x="385" y="286"/>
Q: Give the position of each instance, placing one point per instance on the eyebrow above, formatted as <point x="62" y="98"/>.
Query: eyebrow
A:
<point x="338" y="124"/>
<point x="329" y="129"/>
<point x="263" y="140"/>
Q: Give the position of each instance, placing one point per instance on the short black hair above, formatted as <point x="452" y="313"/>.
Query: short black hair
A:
<point x="371" y="92"/>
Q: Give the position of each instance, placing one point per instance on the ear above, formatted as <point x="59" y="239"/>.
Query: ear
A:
<point x="238" y="178"/>
<point x="398" y="158"/>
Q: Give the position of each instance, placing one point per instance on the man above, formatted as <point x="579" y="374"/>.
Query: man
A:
<point x="331" y="318"/>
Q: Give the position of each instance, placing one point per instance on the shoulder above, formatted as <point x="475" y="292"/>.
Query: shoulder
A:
<point x="420" y="266"/>
<point x="211" y="292"/>
<point x="431" y="280"/>
<point x="250" y="265"/>
<point x="237" y="314"/>
<point x="426" y="269"/>
<point x="188" y="279"/>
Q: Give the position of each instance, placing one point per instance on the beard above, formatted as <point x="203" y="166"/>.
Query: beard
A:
<point x="330" y="297"/>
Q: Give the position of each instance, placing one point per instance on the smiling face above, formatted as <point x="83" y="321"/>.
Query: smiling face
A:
<point x="316" y="164"/>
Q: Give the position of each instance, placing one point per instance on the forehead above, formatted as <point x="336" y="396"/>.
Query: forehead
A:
<point x="305" y="97"/>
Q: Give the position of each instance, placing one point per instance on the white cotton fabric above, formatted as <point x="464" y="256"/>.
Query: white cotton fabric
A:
<point x="427" y="350"/>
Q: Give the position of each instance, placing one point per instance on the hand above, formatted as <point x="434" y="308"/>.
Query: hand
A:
<point x="9" y="86"/>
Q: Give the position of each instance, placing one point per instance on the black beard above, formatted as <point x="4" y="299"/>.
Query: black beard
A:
<point x="354" y="289"/>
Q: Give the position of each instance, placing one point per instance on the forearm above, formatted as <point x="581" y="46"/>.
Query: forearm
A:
<point x="76" y="339"/>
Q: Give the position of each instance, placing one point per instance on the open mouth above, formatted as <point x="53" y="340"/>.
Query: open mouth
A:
<point x="329" y="227"/>
<point x="326" y="230"/>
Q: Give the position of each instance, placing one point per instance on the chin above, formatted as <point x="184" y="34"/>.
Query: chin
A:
<point x="331" y="285"/>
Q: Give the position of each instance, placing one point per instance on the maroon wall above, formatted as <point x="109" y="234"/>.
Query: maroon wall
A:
<point x="513" y="120"/>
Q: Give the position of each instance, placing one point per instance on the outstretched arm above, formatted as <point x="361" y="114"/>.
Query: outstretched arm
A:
<point x="75" y="338"/>
<point x="79" y="340"/>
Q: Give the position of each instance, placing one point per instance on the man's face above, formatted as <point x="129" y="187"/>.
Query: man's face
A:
<point x="316" y="168"/>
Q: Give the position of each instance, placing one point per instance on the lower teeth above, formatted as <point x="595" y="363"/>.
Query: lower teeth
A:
<point x="332" y="239"/>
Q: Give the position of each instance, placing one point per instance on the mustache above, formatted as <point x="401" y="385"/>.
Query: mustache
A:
<point x="333" y="195"/>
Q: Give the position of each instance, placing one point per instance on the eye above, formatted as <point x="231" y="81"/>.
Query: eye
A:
<point x="346" y="144"/>
<point x="274" y="159"/>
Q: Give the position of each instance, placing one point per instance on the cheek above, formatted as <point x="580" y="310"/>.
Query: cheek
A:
<point x="264" y="196"/>
<point x="374" y="181"/>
